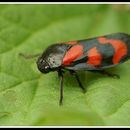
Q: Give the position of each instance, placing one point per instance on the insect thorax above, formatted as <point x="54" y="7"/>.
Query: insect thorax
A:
<point x="54" y="54"/>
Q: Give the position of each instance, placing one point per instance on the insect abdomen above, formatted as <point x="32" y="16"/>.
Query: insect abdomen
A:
<point x="120" y="47"/>
<point x="100" y="51"/>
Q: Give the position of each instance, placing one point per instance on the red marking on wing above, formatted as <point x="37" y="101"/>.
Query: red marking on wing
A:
<point x="72" y="54"/>
<point x="71" y="42"/>
<point x="94" y="57"/>
<point x="119" y="46"/>
<point x="102" y="40"/>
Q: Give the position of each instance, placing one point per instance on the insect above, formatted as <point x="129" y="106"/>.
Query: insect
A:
<point x="93" y="54"/>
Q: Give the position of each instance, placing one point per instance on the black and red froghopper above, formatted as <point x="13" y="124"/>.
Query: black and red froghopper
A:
<point x="94" y="54"/>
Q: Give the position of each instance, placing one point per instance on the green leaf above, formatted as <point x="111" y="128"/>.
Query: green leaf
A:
<point x="28" y="97"/>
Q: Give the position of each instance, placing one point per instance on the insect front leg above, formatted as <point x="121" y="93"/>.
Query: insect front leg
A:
<point x="60" y="74"/>
<point x="78" y="80"/>
<point x="29" y="56"/>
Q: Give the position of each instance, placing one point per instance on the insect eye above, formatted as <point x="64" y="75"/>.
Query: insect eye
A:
<point x="46" y="67"/>
<point x="41" y="61"/>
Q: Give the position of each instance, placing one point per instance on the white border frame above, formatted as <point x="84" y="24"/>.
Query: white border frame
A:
<point x="65" y="3"/>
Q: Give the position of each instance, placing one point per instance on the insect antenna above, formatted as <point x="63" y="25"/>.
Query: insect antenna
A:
<point x="29" y="56"/>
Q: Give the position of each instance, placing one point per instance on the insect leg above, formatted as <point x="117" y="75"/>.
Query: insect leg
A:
<point x="110" y="74"/>
<point x="60" y="74"/>
<point x="29" y="56"/>
<point x="78" y="80"/>
<point x="107" y="73"/>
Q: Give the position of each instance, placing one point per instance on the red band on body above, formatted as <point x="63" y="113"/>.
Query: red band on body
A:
<point x="119" y="46"/>
<point x="72" y="54"/>
<point x="94" y="57"/>
<point x="71" y="42"/>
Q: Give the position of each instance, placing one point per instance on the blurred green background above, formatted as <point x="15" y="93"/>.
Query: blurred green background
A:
<point x="28" y="97"/>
